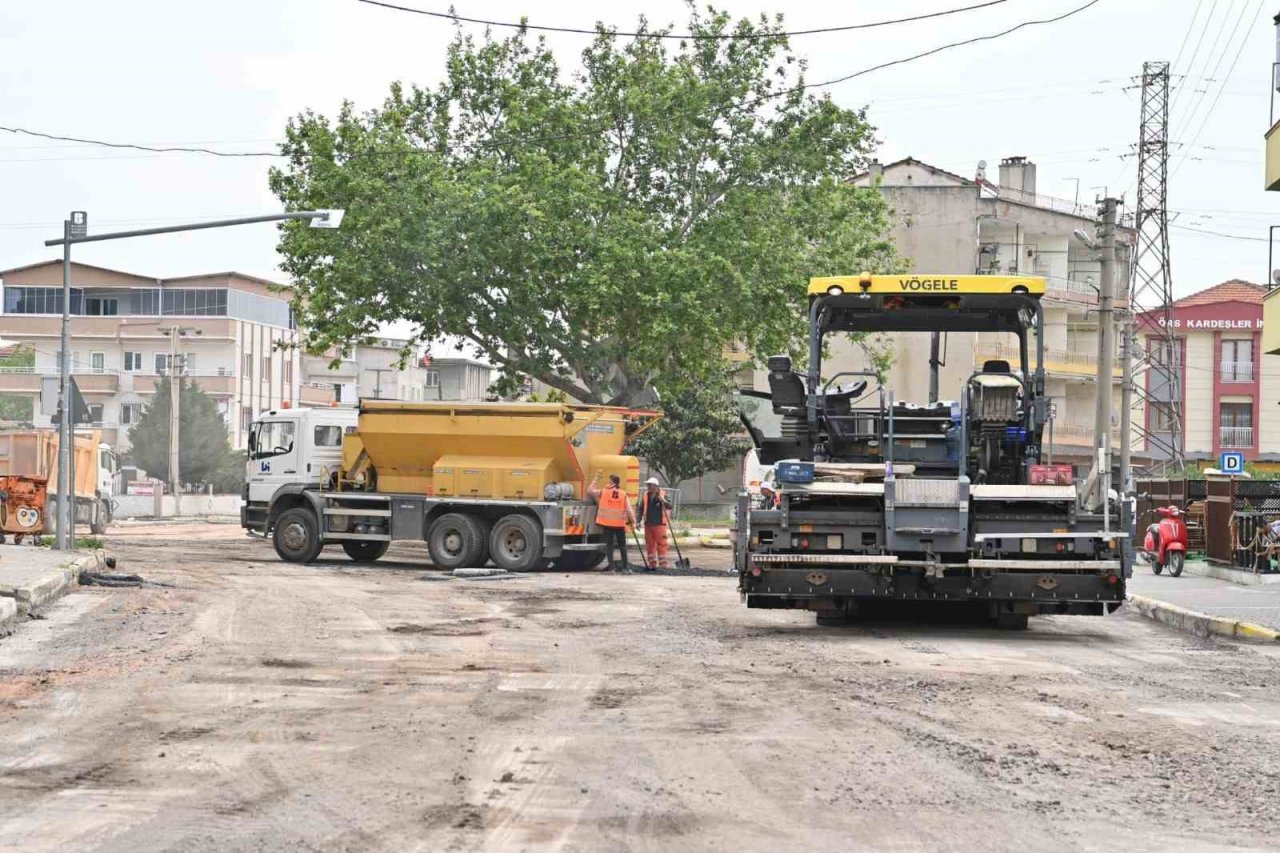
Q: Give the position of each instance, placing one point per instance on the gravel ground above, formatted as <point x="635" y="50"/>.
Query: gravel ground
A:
<point x="259" y="705"/>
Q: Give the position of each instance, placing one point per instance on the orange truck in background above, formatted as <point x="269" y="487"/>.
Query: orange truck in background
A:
<point x="33" y="454"/>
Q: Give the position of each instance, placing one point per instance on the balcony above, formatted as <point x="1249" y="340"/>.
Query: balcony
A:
<point x="1235" y="437"/>
<point x="1076" y="435"/>
<point x="1236" y="371"/>
<point x="1058" y="362"/>
<point x="316" y="393"/>
<point x="26" y="380"/>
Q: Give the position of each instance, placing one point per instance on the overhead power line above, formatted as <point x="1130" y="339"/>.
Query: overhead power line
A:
<point x="523" y="25"/>
<point x="134" y="146"/>
<point x="914" y="57"/>
<point x="1219" y="233"/>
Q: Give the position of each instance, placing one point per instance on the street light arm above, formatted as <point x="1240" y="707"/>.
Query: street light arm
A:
<point x="322" y="215"/>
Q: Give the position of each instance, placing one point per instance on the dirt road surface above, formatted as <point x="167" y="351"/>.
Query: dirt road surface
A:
<point x="258" y="705"/>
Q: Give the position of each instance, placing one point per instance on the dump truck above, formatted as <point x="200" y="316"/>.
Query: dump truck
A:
<point x="34" y="453"/>
<point x="939" y="501"/>
<point x="478" y="482"/>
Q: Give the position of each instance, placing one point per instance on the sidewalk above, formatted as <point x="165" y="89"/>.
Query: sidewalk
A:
<point x="1220" y="598"/>
<point x="32" y="577"/>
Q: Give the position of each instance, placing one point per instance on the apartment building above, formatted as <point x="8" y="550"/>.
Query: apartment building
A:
<point x="1218" y="334"/>
<point x="945" y="222"/>
<point x="236" y="334"/>
<point x="372" y="370"/>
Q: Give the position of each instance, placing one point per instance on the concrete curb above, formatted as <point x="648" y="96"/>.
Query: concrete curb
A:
<point x="1225" y="573"/>
<point x="47" y="588"/>
<point x="1200" y="624"/>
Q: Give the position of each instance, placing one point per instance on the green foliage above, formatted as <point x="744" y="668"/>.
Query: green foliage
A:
<point x="205" y="455"/>
<point x="699" y="432"/>
<point x="14" y="407"/>
<point x="603" y="231"/>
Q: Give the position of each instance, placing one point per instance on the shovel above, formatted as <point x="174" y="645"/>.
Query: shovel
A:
<point x="681" y="562"/>
<point x="644" y="558"/>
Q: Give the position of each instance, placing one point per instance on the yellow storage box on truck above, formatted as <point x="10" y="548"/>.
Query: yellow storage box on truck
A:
<point x="34" y="453"/>
<point x="478" y="482"/>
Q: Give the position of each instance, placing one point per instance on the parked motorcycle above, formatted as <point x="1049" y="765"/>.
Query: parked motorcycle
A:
<point x="1165" y="544"/>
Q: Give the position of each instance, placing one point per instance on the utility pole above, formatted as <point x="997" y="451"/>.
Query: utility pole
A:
<point x="1151" y="279"/>
<point x="64" y="404"/>
<point x="1105" y="237"/>
<point x="174" y="420"/>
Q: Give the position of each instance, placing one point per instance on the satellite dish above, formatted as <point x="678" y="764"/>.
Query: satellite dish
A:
<point x="1275" y="276"/>
<point x="982" y="164"/>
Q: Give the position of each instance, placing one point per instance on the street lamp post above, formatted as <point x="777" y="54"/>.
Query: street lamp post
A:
<point x="75" y="230"/>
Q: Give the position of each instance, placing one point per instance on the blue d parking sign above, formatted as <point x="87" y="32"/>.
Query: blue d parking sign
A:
<point x="1231" y="462"/>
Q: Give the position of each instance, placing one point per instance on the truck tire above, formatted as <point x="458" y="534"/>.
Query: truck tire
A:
<point x="516" y="543"/>
<point x="296" y="536"/>
<point x="364" y="551"/>
<point x="98" y="524"/>
<point x="456" y="541"/>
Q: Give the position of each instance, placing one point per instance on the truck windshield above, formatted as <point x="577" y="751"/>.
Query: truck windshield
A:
<point x="270" y="438"/>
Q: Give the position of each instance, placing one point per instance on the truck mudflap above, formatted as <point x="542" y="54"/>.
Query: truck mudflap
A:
<point x="1077" y="586"/>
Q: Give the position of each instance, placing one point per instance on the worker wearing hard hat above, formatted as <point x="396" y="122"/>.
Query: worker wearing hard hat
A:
<point x="613" y="516"/>
<point x="653" y="510"/>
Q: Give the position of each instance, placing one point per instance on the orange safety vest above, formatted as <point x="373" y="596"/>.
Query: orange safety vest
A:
<point x="612" y="508"/>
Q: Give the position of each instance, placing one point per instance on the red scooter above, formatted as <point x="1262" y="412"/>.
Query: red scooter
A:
<point x="1166" y="541"/>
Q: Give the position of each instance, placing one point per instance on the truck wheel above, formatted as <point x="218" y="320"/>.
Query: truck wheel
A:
<point x="297" y="536"/>
<point x="456" y="541"/>
<point x="1176" y="561"/>
<point x="365" y="551"/>
<point x="516" y="543"/>
<point x="98" y="524"/>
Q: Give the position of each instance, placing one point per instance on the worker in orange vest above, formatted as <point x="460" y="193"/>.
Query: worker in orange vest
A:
<point x="652" y="509"/>
<point x="613" y="515"/>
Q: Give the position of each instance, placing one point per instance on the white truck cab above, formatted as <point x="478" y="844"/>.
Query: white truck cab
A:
<point x="288" y="446"/>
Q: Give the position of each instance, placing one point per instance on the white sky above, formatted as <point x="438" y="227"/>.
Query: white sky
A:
<point x="229" y="73"/>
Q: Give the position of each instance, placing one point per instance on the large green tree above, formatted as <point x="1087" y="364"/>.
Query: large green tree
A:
<point x="205" y="455"/>
<point x="600" y="230"/>
<point x="699" y="432"/>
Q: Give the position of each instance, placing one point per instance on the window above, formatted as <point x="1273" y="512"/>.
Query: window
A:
<point x="246" y="365"/>
<point x="187" y="361"/>
<point x="133" y="362"/>
<point x="1235" y="421"/>
<point x="266" y="367"/>
<point x="246" y="418"/>
<point x="161" y="363"/>
<point x="75" y="361"/>
<point x="432" y="380"/>
<point x="187" y="302"/>
<point x="271" y="438"/>
<point x="328" y="435"/>
<point x="95" y="413"/>
<point x="33" y="300"/>
<point x="1237" y="360"/>
<point x="130" y="413"/>
<point x="101" y="306"/>
<point x="1161" y="418"/>
<point x="97" y="362"/>
<point x="287" y="371"/>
